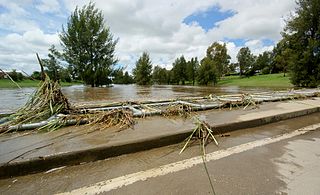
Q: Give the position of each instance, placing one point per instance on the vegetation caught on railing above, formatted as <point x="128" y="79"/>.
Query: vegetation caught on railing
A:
<point x="48" y="109"/>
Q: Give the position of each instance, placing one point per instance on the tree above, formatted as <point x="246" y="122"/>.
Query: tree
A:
<point x="264" y="62"/>
<point x="159" y="75"/>
<point x="16" y="76"/>
<point x="180" y="70"/>
<point x="245" y="60"/>
<point x="207" y="72"/>
<point x="302" y="36"/>
<point x="192" y="68"/>
<point x="142" y="71"/>
<point x="36" y="75"/>
<point x="88" y="46"/>
<point x="282" y="57"/>
<point x="52" y="65"/>
<point x="117" y="75"/>
<point x="127" y="79"/>
<point x="218" y="54"/>
<point x="231" y="69"/>
<point x="121" y="78"/>
<point x="65" y="75"/>
<point x="214" y="65"/>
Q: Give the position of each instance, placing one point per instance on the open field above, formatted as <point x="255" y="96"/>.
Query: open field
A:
<point x="6" y="83"/>
<point x="269" y="80"/>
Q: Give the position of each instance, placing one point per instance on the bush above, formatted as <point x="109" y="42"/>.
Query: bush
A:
<point x="16" y="76"/>
<point x="36" y="75"/>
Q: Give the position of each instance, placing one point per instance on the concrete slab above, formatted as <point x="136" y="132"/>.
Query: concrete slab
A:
<point x="22" y="153"/>
<point x="253" y="172"/>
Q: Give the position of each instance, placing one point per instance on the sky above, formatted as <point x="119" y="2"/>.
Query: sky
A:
<point x="166" y="29"/>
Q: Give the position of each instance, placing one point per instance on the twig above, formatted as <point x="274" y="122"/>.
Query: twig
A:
<point x="42" y="69"/>
<point x="10" y="78"/>
<point x="207" y="172"/>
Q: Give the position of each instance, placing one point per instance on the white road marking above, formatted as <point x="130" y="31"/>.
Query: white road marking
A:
<point x="126" y="180"/>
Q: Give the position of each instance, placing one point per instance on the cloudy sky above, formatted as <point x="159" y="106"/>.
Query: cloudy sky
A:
<point x="166" y="29"/>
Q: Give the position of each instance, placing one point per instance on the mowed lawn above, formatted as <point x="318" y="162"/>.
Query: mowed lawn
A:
<point x="6" y="83"/>
<point x="269" y="80"/>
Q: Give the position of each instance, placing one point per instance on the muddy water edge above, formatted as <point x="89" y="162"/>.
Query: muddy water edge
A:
<point x="12" y="99"/>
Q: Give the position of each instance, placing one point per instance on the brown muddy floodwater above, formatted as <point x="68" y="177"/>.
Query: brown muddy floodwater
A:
<point x="12" y="99"/>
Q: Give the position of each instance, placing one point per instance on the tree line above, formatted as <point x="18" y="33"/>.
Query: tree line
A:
<point x="209" y="70"/>
<point x="88" y="54"/>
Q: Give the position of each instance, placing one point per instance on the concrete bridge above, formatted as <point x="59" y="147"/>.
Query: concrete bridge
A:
<point x="270" y="149"/>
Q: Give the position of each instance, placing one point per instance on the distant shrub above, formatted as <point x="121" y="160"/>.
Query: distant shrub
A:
<point x="16" y="76"/>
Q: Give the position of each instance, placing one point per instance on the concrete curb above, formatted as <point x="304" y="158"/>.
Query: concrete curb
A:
<point x="35" y="165"/>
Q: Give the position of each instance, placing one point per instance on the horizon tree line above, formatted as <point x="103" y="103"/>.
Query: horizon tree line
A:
<point x="88" y="49"/>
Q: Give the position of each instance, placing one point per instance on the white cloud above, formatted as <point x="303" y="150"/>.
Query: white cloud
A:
<point x="232" y="51"/>
<point x="153" y="26"/>
<point x="253" y="19"/>
<point x="18" y="51"/>
<point x="257" y="47"/>
<point x="14" y="18"/>
<point x="49" y="6"/>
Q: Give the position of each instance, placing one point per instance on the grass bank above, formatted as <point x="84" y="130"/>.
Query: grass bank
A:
<point x="269" y="80"/>
<point x="6" y="83"/>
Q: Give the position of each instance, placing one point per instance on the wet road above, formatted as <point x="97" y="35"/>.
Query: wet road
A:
<point x="12" y="99"/>
<point x="278" y="158"/>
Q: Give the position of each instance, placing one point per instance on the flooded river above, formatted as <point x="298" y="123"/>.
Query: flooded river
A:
<point x="12" y="99"/>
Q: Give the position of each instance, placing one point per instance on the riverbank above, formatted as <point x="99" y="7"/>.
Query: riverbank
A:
<point x="268" y="80"/>
<point x="6" y="83"/>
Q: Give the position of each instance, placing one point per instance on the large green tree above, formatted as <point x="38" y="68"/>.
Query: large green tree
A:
<point x="218" y="54"/>
<point x="207" y="72"/>
<point x="302" y="36"/>
<point x="214" y="65"/>
<point x="143" y="69"/>
<point x="88" y="45"/>
<point x="245" y="60"/>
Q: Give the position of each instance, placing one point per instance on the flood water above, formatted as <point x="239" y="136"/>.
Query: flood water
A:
<point x="12" y="99"/>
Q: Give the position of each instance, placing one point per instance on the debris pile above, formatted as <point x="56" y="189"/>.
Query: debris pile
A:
<point x="45" y="102"/>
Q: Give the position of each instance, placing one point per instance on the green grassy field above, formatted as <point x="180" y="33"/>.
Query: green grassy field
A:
<point x="270" y="80"/>
<point x="6" y="83"/>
